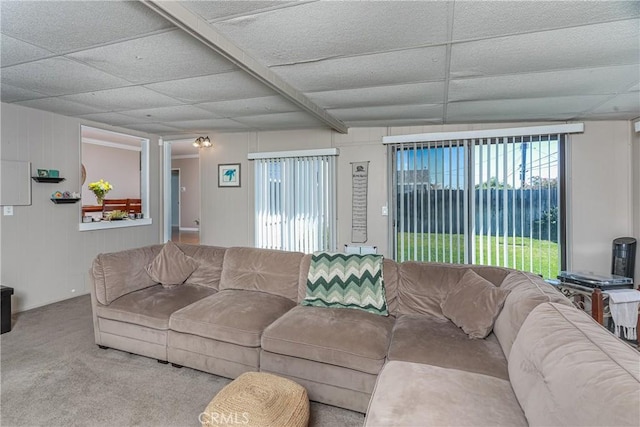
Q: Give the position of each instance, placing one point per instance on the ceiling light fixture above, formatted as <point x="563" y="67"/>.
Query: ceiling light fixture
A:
<point x="202" y="142"/>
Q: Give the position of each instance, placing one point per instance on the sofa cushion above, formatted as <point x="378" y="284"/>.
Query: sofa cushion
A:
<point x="439" y="342"/>
<point x="171" y="266"/>
<point x="233" y="316"/>
<point x="152" y="306"/>
<point x="566" y="369"/>
<point x="349" y="338"/>
<point x="411" y="394"/>
<point x="346" y="281"/>
<point x="274" y="272"/>
<point x="527" y="291"/>
<point x="209" y="259"/>
<point x="119" y="273"/>
<point x="473" y="304"/>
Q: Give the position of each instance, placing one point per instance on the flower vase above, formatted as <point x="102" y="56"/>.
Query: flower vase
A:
<point x="99" y="200"/>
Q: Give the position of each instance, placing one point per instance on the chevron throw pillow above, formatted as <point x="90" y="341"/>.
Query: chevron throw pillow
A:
<point x="346" y="281"/>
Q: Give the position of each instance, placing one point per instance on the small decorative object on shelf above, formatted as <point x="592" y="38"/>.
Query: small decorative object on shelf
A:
<point x="116" y="215"/>
<point x="62" y="197"/>
<point x="100" y="189"/>
<point x="54" y="173"/>
<point x="43" y="173"/>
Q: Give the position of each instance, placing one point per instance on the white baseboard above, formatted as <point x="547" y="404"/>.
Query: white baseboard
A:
<point x="188" y="229"/>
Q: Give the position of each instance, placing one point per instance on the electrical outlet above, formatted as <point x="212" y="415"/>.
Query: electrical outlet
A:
<point x="7" y="210"/>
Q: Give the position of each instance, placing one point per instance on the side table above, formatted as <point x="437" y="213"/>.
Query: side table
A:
<point x="5" y="308"/>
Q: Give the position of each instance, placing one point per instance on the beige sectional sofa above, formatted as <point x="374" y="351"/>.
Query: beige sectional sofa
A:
<point x="240" y="311"/>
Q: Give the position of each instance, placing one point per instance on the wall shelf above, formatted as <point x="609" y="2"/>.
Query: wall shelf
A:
<point x="62" y="201"/>
<point x="47" y="179"/>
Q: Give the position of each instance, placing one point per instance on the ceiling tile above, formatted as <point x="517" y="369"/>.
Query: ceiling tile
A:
<point x="60" y="106"/>
<point x="10" y="93"/>
<point x="417" y="93"/>
<point x="128" y="98"/>
<point x="209" y="125"/>
<point x="213" y="10"/>
<point x="64" y="26"/>
<point x="627" y="102"/>
<point x="170" y="114"/>
<point x="13" y="51"/>
<point x="510" y="17"/>
<point x="430" y="111"/>
<point x="319" y="30"/>
<point x="391" y="68"/>
<point x="550" y="108"/>
<point x="155" y="128"/>
<point x="59" y="76"/>
<point x="216" y="87"/>
<point x="114" y="119"/>
<point x="160" y="57"/>
<point x="280" y="121"/>
<point x="578" y="47"/>
<point x="249" y="107"/>
<point x="587" y="81"/>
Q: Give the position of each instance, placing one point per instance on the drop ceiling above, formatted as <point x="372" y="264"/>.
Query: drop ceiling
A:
<point x="382" y="63"/>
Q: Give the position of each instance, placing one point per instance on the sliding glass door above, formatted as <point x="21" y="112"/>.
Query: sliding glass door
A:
<point x="492" y="201"/>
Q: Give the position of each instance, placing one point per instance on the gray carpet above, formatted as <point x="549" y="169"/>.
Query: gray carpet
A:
<point x="53" y="374"/>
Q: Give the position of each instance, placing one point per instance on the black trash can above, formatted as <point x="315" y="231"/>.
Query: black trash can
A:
<point x="5" y="308"/>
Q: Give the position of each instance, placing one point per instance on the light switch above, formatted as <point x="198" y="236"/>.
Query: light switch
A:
<point x="385" y="211"/>
<point x="7" y="210"/>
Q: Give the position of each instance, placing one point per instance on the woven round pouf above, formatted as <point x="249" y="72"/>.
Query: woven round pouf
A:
<point x="258" y="399"/>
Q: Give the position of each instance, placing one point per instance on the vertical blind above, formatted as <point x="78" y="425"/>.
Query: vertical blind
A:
<point x="491" y="201"/>
<point x="295" y="206"/>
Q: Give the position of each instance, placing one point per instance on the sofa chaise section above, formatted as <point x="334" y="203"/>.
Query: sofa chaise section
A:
<point x="221" y="334"/>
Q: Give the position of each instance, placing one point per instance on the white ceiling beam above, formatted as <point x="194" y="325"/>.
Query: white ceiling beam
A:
<point x="200" y="29"/>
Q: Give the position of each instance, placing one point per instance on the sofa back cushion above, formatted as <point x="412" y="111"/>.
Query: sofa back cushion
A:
<point x="253" y="269"/>
<point x="119" y="273"/>
<point x="527" y="291"/>
<point x="566" y="369"/>
<point x="424" y="286"/>
<point x="389" y="277"/>
<point x="209" y="260"/>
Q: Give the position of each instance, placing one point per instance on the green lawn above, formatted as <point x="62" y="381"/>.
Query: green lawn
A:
<point x="538" y="256"/>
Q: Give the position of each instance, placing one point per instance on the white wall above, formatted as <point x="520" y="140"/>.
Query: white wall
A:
<point x="635" y="163"/>
<point x="120" y="167"/>
<point x="43" y="256"/>
<point x="600" y="175"/>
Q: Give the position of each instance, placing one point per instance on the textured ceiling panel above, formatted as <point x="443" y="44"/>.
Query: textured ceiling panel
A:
<point x="63" y="26"/>
<point x="115" y="119"/>
<point x="180" y="112"/>
<point x="578" y="47"/>
<point x="129" y="98"/>
<point x="589" y="81"/>
<point x="391" y="68"/>
<point x="161" y="57"/>
<point x="14" y="51"/>
<point x="628" y="102"/>
<point x="511" y="17"/>
<point x="157" y="128"/>
<point x="213" y="10"/>
<point x="10" y="93"/>
<point x="418" y="93"/>
<point x="217" y="87"/>
<point x="207" y="125"/>
<point x="550" y="108"/>
<point x="60" y="106"/>
<point x="59" y="76"/>
<point x="321" y="30"/>
<point x="431" y="111"/>
<point x="280" y="121"/>
<point x="249" y="107"/>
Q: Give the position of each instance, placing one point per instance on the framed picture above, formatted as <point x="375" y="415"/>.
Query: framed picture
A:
<point x="229" y="175"/>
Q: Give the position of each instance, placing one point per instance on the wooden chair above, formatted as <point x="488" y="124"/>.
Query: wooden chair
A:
<point x="135" y="205"/>
<point x="109" y="205"/>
